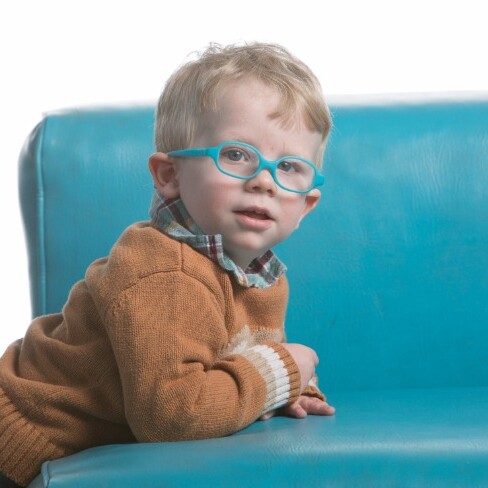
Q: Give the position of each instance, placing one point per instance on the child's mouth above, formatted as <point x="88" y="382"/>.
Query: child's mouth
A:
<point x="255" y="214"/>
<point x="255" y="218"/>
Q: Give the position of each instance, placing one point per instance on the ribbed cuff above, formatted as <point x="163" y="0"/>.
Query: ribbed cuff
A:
<point x="23" y="448"/>
<point x="279" y="371"/>
<point x="312" y="389"/>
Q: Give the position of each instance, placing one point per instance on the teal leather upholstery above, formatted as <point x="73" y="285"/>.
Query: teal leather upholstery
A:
<point x="389" y="280"/>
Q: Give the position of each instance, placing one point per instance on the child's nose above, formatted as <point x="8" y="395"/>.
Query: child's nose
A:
<point x="262" y="182"/>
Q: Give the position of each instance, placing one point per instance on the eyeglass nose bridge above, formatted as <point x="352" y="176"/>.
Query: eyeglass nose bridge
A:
<point x="265" y="164"/>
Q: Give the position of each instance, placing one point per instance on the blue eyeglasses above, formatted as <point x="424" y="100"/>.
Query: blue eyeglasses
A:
<point x="243" y="161"/>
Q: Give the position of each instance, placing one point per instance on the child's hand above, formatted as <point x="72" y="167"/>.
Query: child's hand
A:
<point x="306" y="360"/>
<point x="304" y="406"/>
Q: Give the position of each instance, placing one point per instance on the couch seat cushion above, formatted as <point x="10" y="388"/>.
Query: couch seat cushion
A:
<point x="423" y="437"/>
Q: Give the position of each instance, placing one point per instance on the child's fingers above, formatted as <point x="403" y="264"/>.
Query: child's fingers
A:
<point x="267" y="415"/>
<point x="315" y="406"/>
<point x="302" y="407"/>
<point x="326" y="409"/>
<point x="296" y="410"/>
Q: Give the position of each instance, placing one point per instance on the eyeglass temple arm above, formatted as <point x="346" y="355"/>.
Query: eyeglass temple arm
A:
<point x="319" y="179"/>
<point x="196" y="153"/>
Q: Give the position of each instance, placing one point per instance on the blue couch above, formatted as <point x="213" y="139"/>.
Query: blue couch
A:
<point x="388" y="283"/>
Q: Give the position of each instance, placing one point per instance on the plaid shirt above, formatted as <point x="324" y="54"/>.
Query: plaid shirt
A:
<point x="172" y="218"/>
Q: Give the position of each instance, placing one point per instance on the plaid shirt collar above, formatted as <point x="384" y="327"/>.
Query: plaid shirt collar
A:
<point x="172" y="218"/>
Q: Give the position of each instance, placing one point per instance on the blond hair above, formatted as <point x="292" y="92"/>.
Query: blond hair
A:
<point x="193" y="89"/>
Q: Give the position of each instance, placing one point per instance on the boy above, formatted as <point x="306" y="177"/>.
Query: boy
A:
<point x="178" y="334"/>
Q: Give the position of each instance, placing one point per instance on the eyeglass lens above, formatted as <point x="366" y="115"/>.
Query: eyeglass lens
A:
<point x="243" y="161"/>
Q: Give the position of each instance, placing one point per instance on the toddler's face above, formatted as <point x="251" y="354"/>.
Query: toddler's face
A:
<point x="251" y="215"/>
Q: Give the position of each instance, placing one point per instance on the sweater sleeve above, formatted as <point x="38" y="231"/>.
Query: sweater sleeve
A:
<point x="312" y="389"/>
<point x="175" y="384"/>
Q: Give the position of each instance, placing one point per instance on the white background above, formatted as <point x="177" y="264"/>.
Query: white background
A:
<point x="57" y="54"/>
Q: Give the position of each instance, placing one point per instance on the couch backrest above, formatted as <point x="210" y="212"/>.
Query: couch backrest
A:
<point x="388" y="276"/>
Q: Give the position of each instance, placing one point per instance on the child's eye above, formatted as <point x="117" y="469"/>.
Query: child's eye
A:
<point x="235" y="155"/>
<point x="289" y="166"/>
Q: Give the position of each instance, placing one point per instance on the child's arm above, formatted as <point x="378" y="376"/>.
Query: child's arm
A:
<point x="174" y="383"/>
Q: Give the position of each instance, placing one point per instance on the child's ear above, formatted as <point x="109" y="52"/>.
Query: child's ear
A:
<point x="311" y="200"/>
<point x="164" y="175"/>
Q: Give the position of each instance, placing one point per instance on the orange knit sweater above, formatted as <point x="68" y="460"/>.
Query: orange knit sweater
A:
<point x="157" y="343"/>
